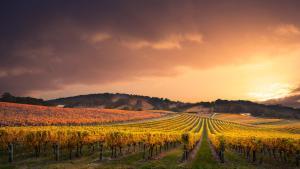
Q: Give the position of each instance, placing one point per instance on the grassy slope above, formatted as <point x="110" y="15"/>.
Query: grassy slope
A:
<point x="204" y="158"/>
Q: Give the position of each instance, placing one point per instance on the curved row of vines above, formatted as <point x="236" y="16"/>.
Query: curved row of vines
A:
<point x="151" y="137"/>
<point x="256" y="144"/>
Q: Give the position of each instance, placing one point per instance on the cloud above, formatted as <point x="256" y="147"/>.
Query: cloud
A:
<point x="291" y="100"/>
<point x="296" y="90"/>
<point x="171" y="42"/>
<point x="287" y="30"/>
<point x="51" y="45"/>
<point x="20" y="71"/>
<point x="165" y="44"/>
<point x="3" y="74"/>
<point x="98" y="37"/>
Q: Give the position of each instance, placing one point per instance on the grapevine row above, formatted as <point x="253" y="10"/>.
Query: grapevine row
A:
<point x="251" y="141"/>
<point x="181" y="129"/>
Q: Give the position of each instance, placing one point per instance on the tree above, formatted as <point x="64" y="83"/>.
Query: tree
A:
<point x="6" y="96"/>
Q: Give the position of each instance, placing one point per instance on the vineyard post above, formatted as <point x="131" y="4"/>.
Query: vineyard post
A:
<point x="80" y="148"/>
<point x="262" y="156"/>
<point x="298" y="158"/>
<point x="144" y="152"/>
<point x="70" y="153"/>
<point x="160" y="148"/>
<point x="128" y="148"/>
<point x="120" y="151"/>
<point x="274" y="154"/>
<point x="184" y="152"/>
<point x="285" y="156"/>
<point x="269" y="152"/>
<point x="36" y="150"/>
<point x="134" y="144"/>
<point x="151" y="150"/>
<point x="185" y="138"/>
<point x="56" y="151"/>
<point x="254" y="155"/>
<point x="101" y="152"/>
<point x="77" y="150"/>
<point x="222" y="149"/>
<point x="248" y="153"/>
<point x="280" y="155"/>
<point x="221" y="155"/>
<point x="115" y="151"/>
<point x="112" y="151"/>
<point x="10" y="152"/>
<point x="93" y="147"/>
<point x="45" y="147"/>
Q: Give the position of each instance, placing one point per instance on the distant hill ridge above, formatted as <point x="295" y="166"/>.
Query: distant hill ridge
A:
<point x="117" y="101"/>
<point x="138" y="102"/>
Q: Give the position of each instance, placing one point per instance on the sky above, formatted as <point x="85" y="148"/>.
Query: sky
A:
<point x="192" y="50"/>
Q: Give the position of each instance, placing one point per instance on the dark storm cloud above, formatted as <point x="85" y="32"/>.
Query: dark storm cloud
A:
<point x="45" y="45"/>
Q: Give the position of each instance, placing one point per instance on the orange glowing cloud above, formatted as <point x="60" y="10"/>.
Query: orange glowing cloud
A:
<point x="173" y="41"/>
<point x="287" y="29"/>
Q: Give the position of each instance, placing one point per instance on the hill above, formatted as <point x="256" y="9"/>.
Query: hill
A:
<point x="118" y="101"/>
<point x="138" y="102"/>
<point x="256" y="109"/>
<point x="7" y="97"/>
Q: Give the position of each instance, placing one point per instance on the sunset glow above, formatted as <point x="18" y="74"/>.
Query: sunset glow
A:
<point x="184" y="51"/>
<point x="148" y="84"/>
<point x="273" y="91"/>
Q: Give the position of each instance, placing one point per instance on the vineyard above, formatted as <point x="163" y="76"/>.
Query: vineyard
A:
<point x="12" y="114"/>
<point x="152" y="140"/>
<point x="285" y="125"/>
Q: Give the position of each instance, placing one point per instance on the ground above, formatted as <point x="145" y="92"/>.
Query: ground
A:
<point x="205" y="158"/>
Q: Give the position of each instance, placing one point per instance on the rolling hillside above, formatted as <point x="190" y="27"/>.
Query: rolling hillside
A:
<point x="117" y="101"/>
<point x="138" y="103"/>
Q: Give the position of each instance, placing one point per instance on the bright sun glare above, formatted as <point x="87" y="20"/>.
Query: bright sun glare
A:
<point x="271" y="91"/>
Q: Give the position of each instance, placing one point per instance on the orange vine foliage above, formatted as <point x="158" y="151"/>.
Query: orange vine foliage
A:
<point x="12" y="114"/>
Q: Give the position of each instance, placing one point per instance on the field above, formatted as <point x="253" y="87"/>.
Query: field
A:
<point x="12" y="114"/>
<point x="183" y="140"/>
<point x="292" y="126"/>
